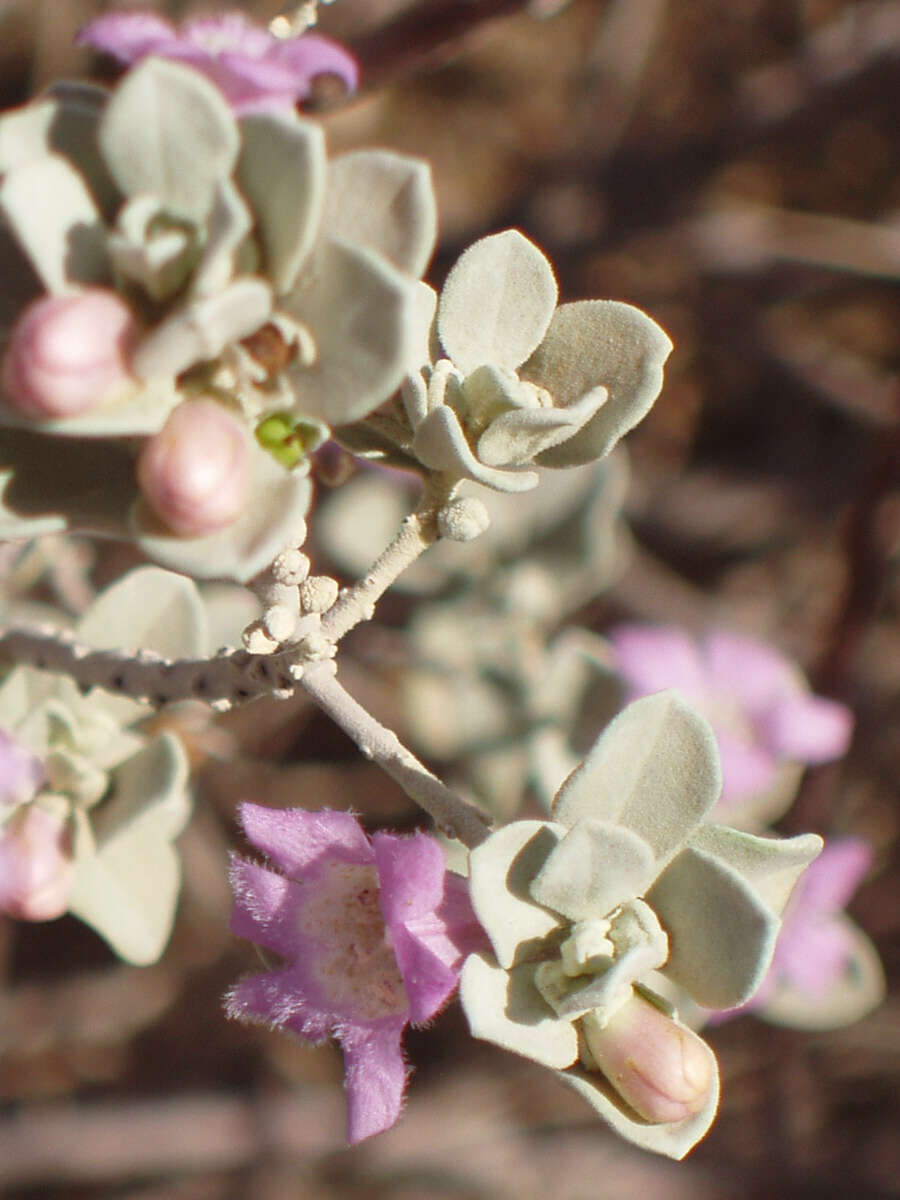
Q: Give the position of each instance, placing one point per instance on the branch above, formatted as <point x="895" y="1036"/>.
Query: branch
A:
<point x="451" y="814"/>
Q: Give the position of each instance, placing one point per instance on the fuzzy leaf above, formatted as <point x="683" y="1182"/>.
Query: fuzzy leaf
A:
<point x="654" y="769"/>
<point x="383" y="201"/>
<point x="721" y="933"/>
<point x="501" y="870"/>
<point x="505" y="1008"/>
<point x="168" y="132"/>
<point x="360" y="311"/>
<point x="440" y="443"/>
<point x="595" y="868"/>
<point x="594" y="343"/>
<point x="282" y="172"/>
<point x="522" y="434"/>
<point x="496" y="303"/>
<point x="147" y="609"/>
<point x="126" y="885"/>
<point x="56" y="222"/>
<point x="771" y="866"/>
<point x="200" y="330"/>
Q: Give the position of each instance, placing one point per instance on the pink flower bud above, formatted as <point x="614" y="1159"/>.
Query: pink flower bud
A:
<point x="35" y="865"/>
<point x="68" y="354"/>
<point x="662" y="1069"/>
<point x="195" y="473"/>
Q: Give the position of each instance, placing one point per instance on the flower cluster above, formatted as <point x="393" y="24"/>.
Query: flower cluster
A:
<point x="372" y="931"/>
<point x="594" y="915"/>
<point x="207" y="275"/>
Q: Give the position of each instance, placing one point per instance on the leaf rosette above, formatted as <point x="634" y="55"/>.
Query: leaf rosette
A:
<point x="624" y="891"/>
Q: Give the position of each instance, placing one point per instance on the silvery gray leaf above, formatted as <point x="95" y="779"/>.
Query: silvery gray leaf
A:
<point x="168" y="132"/>
<point x="384" y="201"/>
<point x="594" y="869"/>
<point x="282" y="172"/>
<point x="521" y="435"/>
<point x="496" y="303"/>
<point x="228" y="225"/>
<point x="56" y="222"/>
<point x="595" y="343"/>
<point x="440" y="443"/>
<point x="201" y="329"/>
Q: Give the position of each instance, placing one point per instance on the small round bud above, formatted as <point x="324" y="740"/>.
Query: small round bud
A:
<point x="659" y="1067"/>
<point x="463" y="519"/>
<point x="68" y="355"/>
<point x="35" y="865"/>
<point x="318" y="593"/>
<point x="195" y="473"/>
<point x="279" y="622"/>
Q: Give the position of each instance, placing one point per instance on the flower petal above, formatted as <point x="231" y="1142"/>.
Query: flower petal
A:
<point x="829" y="882"/>
<point x="127" y="36"/>
<point x="654" y="769"/>
<point x="276" y="999"/>
<point x="376" y="1076"/>
<point x="427" y="978"/>
<point x="748" y="769"/>
<point x="755" y="673"/>
<point x="808" y="728"/>
<point x="262" y="911"/>
<point x="653" y="657"/>
<point x="294" y="839"/>
<point x="506" y="1008"/>
<point x="410" y="874"/>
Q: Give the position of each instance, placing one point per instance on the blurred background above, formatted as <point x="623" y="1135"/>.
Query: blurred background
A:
<point x="732" y="167"/>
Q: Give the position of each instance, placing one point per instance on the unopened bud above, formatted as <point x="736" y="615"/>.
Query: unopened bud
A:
<point x="68" y="355"/>
<point x="463" y="519"/>
<point x="318" y="593"/>
<point x="35" y="865"/>
<point x="659" y="1067"/>
<point x="195" y="473"/>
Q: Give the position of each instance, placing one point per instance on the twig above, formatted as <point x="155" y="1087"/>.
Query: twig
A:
<point x="450" y="813"/>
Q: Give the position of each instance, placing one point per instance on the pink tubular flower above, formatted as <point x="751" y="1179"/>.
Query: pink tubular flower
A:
<point x="254" y="70"/>
<point x="373" y="933"/>
<point x="68" y="354"/>
<point x="195" y="473"/>
<point x="35" y="865"/>
<point x="757" y="701"/>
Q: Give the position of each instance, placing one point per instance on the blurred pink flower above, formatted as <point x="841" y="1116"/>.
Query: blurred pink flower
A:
<point x="373" y="933"/>
<point x="816" y="942"/>
<point x="253" y="69"/>
<point x="35" y="864"/>
<point x="20" y="773"/>
<point x="757" y="701"/>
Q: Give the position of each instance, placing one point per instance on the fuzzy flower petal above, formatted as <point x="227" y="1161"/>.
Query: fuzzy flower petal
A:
<point x="372" y="932"/>
<point x="253" y="69"/>
<point x="20" y="773"/>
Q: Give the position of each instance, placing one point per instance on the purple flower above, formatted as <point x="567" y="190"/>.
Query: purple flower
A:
<point x="373" y="933"/>
<point x="817" y="947"/>
<point x="757" y="701"/>
<point x="21" y="774"/>
<point x="254" y="70"/>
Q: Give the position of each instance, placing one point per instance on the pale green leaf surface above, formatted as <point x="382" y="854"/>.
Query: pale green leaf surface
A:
<point x="282" y="173"/>
<point x="674" y="1139"/>
<point x="147" y="609"/>
<point x="201" y="329"/>
<point x="505" y="1008"/>
<point x="496" y="303"/>
<point x="385" y="202"/>
<point x="501" y="870"/>
<point x="721" y="933"/>
<point x="360" y="311"/>
<point x="595" y="343"/>
<point x="168" y="132"/>
<point x="595" y="868"/>
<point x="56" y="223"/>
<point x="150" y="793"/>
<point x="440" y="443"/>
<point x="230" y="221"/>
<point x="770" y="865"/>
<point x="520" y="435"/>
<point x="654" y="769"/>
